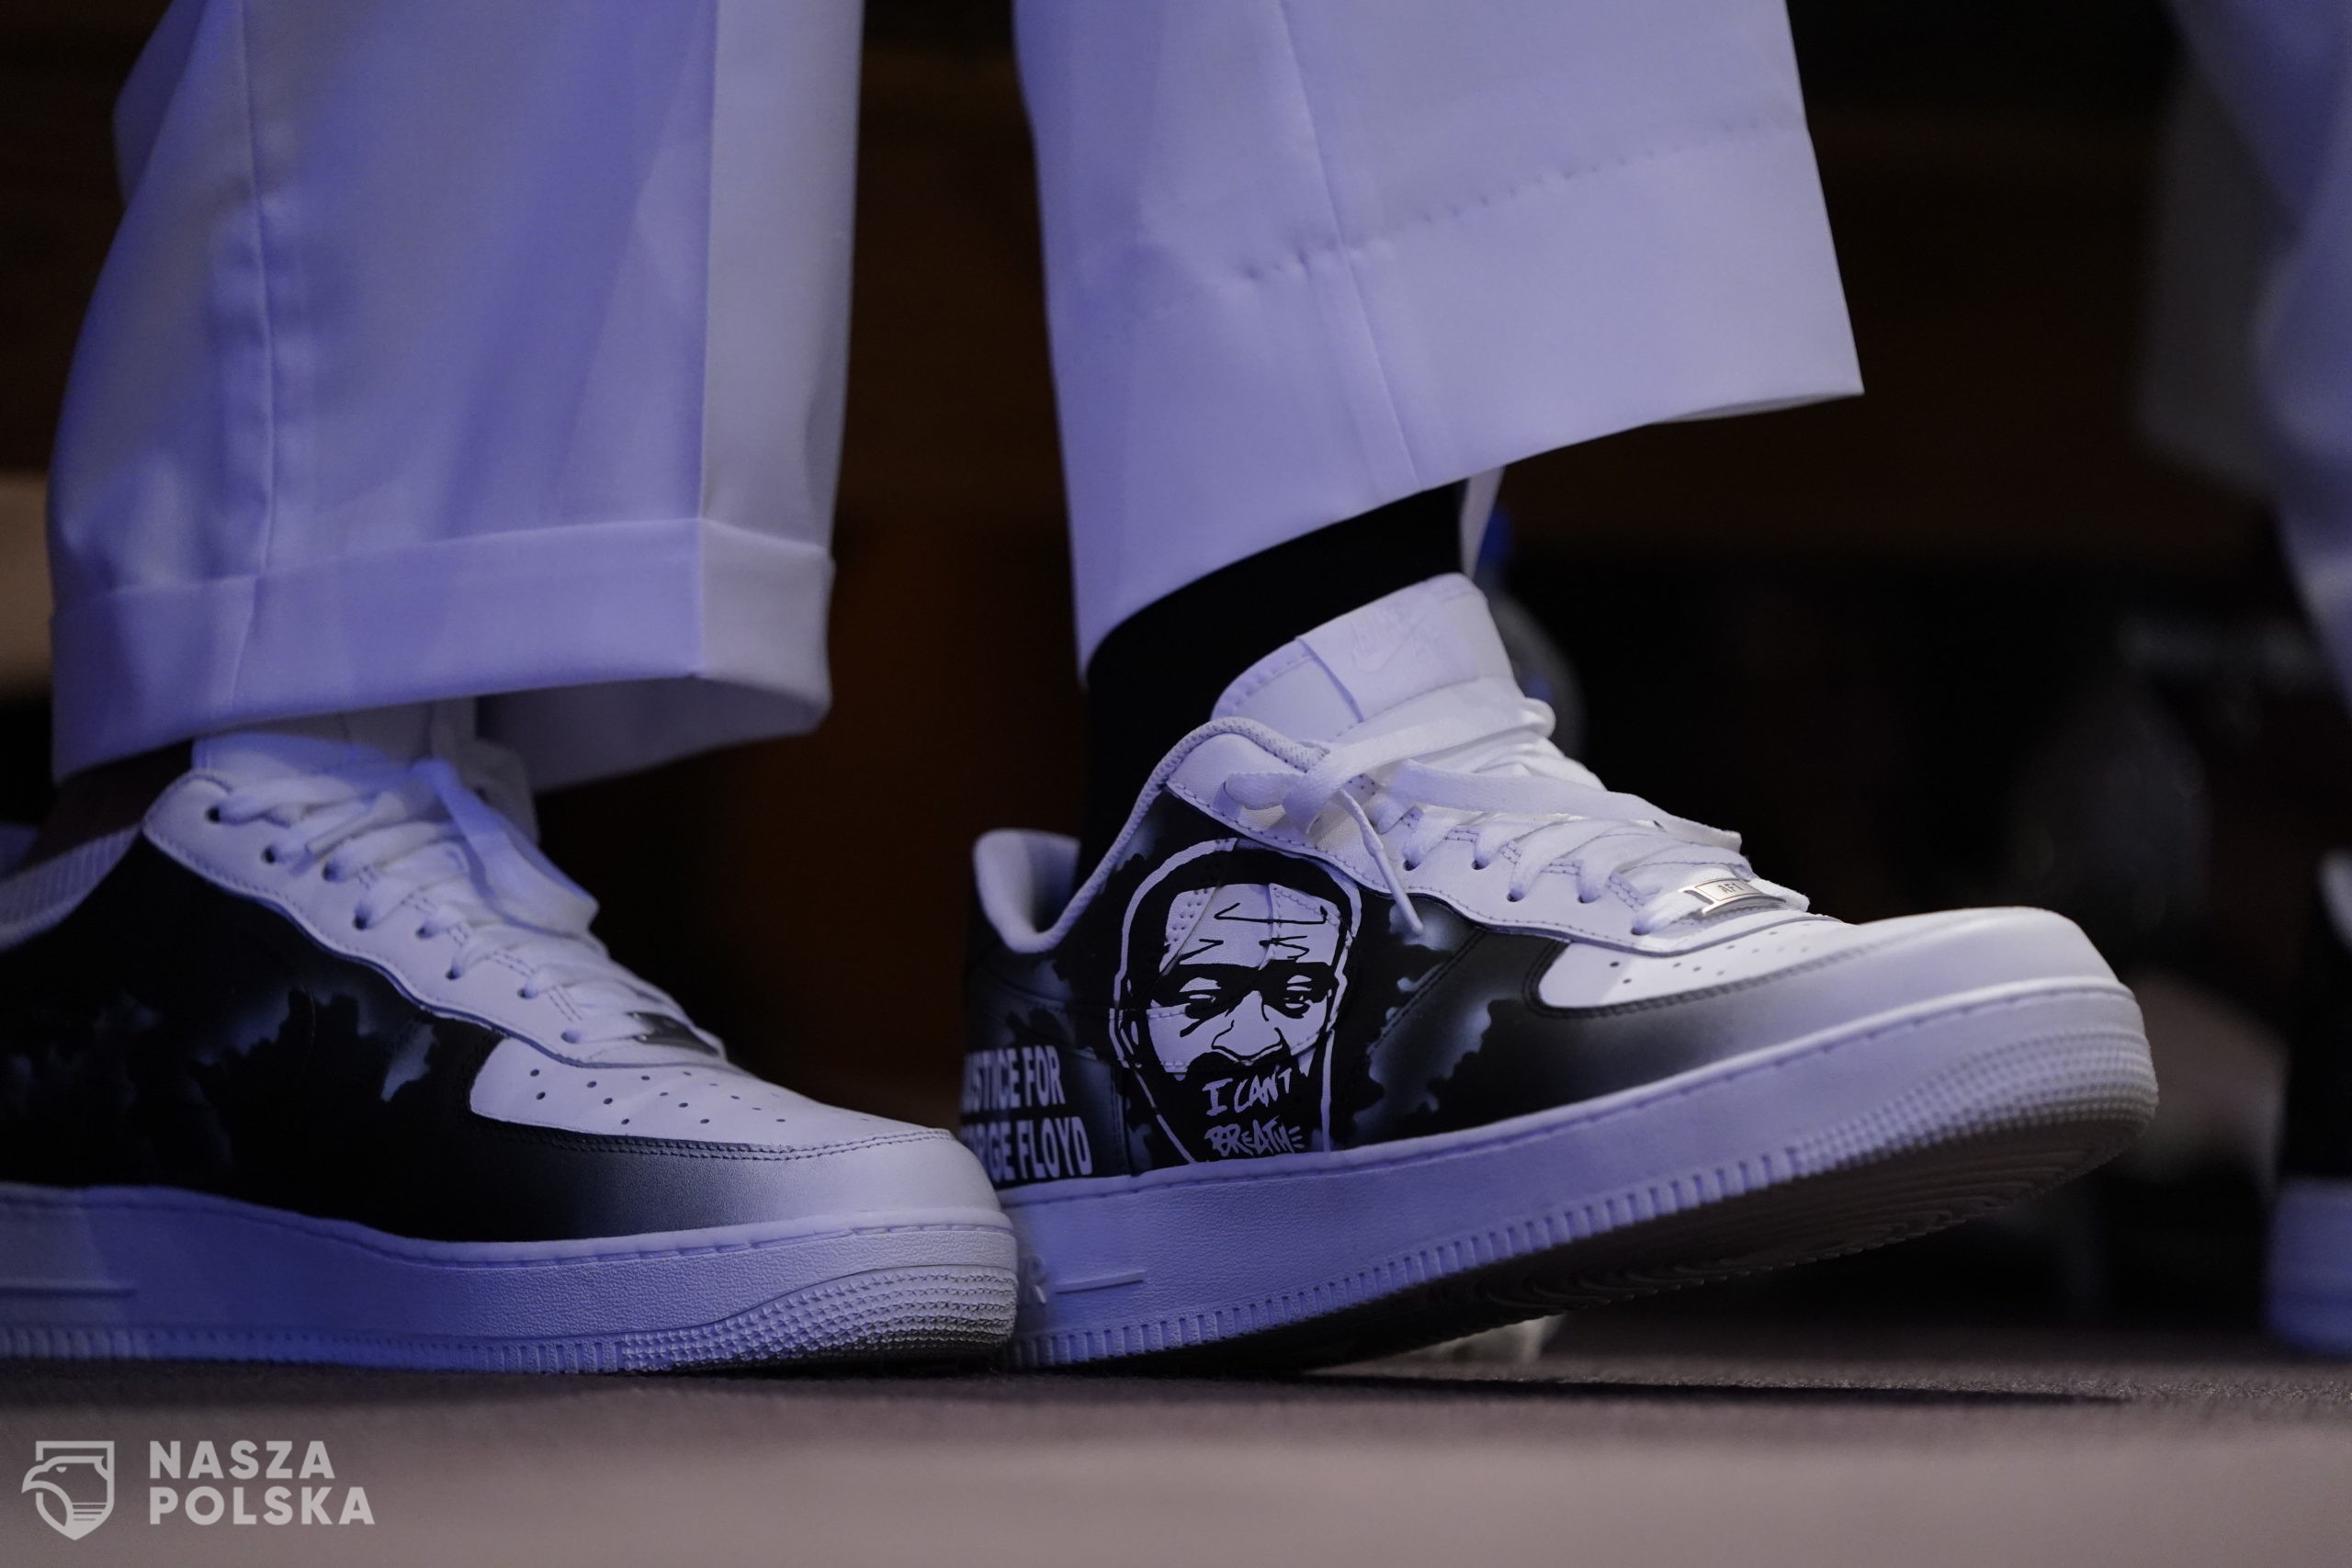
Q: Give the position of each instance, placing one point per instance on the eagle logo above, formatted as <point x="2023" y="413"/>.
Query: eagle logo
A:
<point x="72" y="1485"/>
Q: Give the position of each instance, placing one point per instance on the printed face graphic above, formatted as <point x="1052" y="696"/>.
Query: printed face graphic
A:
<point x="1249" y="970"/>
<point x="1233" y="972"/>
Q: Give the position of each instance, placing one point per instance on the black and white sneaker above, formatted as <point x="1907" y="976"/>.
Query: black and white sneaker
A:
<point x="322" y="1063"/>
<point x="2308" y="1289"/>
<point x="1384" y="1022"/>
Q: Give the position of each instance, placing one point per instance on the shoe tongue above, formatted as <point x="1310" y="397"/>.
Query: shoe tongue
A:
<point x="332" y="741"/>
<point x="1417" y="640"/>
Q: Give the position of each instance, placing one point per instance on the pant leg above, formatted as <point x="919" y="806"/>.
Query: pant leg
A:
<point x="457" y="347"/>
<point x="1307" y="256"/>
<point x="2283" y="70"/>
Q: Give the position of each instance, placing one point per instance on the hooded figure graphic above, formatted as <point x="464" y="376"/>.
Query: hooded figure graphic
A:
<point x="1233" y="962"/>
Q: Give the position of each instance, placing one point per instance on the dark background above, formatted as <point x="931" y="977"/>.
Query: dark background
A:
<point x="1963" y="639"/>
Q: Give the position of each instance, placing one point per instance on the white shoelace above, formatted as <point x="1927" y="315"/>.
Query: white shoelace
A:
<point x="1488" y="765"/>
<point x="423" y="840"/>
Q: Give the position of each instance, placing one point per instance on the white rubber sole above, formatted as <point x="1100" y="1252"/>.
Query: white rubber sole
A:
<point x="160" y="1272"/>
<point x="1884" y="1129"/>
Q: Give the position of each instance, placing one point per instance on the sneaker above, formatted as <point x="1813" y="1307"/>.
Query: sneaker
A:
<point x="2308" y="1291"/>
<point x="320" y="1062"/>
<point x="1384" y="1022"/>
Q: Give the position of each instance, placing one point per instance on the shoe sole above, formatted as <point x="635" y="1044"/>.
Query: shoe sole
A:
<point x="128" y="1272"/>
<point x="1884" y="1130"/>
<point x="2309" y="1299"/>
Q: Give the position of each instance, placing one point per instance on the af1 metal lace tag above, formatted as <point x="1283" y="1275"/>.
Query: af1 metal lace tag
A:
<point x="1728" y="893"/>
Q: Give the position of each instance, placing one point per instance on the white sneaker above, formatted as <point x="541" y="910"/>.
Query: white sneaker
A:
<point x="320" y="1062"/>
<point x="1384" y="1022"/>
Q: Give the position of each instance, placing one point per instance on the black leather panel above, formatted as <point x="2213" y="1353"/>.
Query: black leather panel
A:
<point x="1434" y="1031"/>
<point x="171" y="1033"/>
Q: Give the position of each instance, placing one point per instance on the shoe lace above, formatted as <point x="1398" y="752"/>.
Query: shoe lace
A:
<point x="1488" y="766"/>
<point x="422" y="836"/>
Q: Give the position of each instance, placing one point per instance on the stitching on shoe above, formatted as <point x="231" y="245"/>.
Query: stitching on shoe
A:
<point x="561" y="1137"/>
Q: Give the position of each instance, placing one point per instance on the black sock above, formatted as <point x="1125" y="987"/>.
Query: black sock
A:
<point x="1155" y="677"/>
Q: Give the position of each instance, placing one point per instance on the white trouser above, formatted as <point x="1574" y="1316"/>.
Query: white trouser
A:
<point x="494" y="347"/>
<point x="2282" y="74"/>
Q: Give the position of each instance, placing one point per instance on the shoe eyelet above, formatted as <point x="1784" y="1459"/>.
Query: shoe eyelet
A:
<point x="358" y="924"/>
<point x="270" y="855"/>
<point x="212" y="814"/>
<point x="1582" y="899"/>
<point x="1480" y="865"/>
<point x="1514" y="898"/>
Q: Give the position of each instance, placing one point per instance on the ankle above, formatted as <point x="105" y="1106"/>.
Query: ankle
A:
<point x="1158" y="674"/>
<point x="401" y="733"/>
<point x="105" y="799"/>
